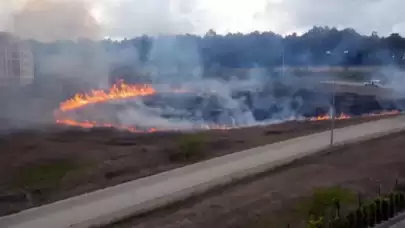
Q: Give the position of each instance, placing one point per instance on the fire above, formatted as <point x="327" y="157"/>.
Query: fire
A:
<point x="92" y="124"/>
<point x="393" y="112"/>
<point x="117" y="91"/>
<point x="345" y="116"/>
<point x="327" y="117"/>
<point x="121" y="91"/>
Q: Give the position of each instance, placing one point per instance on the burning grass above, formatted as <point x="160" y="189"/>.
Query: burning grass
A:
<point x="122" y="91"/>
<point x="117" y="91"/>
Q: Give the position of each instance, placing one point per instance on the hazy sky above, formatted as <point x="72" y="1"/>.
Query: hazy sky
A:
<point x="128" y="18"/>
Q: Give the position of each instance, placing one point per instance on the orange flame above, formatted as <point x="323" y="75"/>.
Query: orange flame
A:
<point x="117" y="91"/>
<point x="345" y="116"/>
<point x="327" y="117"/>
<point x="93" y="124"/>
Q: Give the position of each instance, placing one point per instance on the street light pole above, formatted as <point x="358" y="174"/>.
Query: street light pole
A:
<point x="332" y="108"/>
<point x="333" y="117"/>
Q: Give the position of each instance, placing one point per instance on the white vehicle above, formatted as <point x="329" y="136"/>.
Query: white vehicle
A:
<point x="376" y="83"/>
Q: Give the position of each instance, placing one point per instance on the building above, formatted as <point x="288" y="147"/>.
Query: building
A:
<point x="16" y="61"/>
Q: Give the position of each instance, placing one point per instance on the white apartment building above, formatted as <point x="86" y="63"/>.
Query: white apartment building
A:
<point x="16" y="61"/>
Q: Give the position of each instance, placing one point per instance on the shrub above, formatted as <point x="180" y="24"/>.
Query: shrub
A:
<point x="366" y="217"/>
<point x="385" y="209"/>
<point x="326" y="199"/>
<point x="360" y="217"/>
<point x="392" y="203"/>
<point x="339" y="223"/>
<point x="378" y="212"/>
<point x="372" y="207"/>
<point x="316" y="222"/>
<point x="46" y="175"/>
<point x="351" y="218"/>
<point x="401" y="202"/>
<point x="190" y="147"/>
<point x="325" y="203"/>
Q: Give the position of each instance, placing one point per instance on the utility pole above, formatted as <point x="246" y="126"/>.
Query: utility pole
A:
<point x="332" y="108"/>
<point x="333" y="117"/>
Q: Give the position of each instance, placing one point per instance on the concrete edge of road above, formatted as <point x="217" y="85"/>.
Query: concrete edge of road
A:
<point x="234" y="177"/>
<point x="186" y="193"/>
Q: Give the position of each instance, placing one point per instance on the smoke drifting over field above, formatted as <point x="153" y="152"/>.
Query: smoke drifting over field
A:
<point x="50" y="20"/>
<point x="212" y="97"/>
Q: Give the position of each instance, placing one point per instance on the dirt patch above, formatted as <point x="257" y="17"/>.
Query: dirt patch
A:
<point x="38" y="167"/>
<point x="271" y="200"/>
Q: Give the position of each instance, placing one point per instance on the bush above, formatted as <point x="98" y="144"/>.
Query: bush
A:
<point x="351" y="218"/>
<point x="339" y="223"/>
<point x="360" y="218"/>
<point x="372" y="207"/>
<point x="316" y="222"/>
<point x="392" y="202"/>
<point x="325" y="203"/>
<point x="378" y="215"/>
<point x="45" y="175"/>
<point x="366" y="218"/>
<point x="385" y="207"/>
<point x="401" y="201"/>
<point x="190" y="147"/>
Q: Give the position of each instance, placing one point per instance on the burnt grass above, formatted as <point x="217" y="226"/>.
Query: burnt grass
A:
<point x="39" y="167"/>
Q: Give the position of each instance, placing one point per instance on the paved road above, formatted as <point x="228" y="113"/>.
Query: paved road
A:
<point x="383" y="92"/>
<point x="113" y="203"/>
<point x="343" y="83"/>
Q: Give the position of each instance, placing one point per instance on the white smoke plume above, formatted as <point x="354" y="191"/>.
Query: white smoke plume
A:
<point x="50" y="20"/>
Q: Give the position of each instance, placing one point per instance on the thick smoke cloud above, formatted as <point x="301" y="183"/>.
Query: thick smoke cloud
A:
<point x="50" y="20"/>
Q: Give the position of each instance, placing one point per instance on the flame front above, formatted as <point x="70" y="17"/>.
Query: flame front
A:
<point x="327" y="117"/>
<point x="345" y="116"/>
<point x="117" y="91"/>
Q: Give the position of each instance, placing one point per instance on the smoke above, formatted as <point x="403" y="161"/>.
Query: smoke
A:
<point x="62" y="35"/>
<point x="74" y="58"/>
<point x="210" y="101"/>
<point x="51" y="20"/>
<point x="258" y="96"/>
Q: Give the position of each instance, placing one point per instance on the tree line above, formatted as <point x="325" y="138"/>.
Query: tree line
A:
<point x="320" y="46"/>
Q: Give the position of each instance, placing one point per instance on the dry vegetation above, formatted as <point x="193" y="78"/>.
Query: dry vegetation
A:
<point x="284" y="196"/>
<point x="39" y="167"/>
